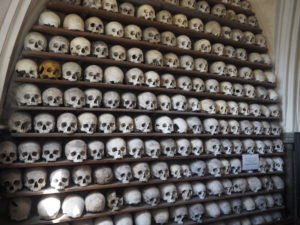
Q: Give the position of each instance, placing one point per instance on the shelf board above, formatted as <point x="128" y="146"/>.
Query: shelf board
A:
<point x="125" y="160"/>
<point x="133" y="88"/>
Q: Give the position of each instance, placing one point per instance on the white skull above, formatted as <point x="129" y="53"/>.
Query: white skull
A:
<point x="184" y="83"/>
<point x="125" y="124"/>
<point x="225" y="166"/>
<point x="236" y="166"/>
<point x="196" y="212"/>
<point x="259" y="75"/>
<point x="265" y="111"/>
<point x="194" y="105"/>
<point x="270" y="165"/>
<point x="227" y="146"/>
<point x="248" y="204"/>
<point x="180" y="125"/>
<point x="213" y="146"/>
<point x="160" y="170"/>
<point x="164" y="16"/>
<point x="168" y="81"/>
<point x="212" y="27"/>
<point x="241" y="18"/>
<point x="141" y="171"/>
<point x="164" y="124"/>
<point x="142" y="218"/>
<point x="234" y="127"/>
<point x="225" y="207"/>
<point x="260" y="147"/>
<point x="275" y="129"/>
<point x="218" y="10"/>
<point x="143" y="124"/>
<point x="49" y="18"/>
<point x="257" y="127"/>
<point x="278" y="164"/>
<point x="196" y="24"/>
<point x="123" y="219"/>
<point x="218" y="49"/>
<point x="35" y="41"/>
<point x="164" y="102"/>
<point x="94" y="202"/>
<point x="230" y="71"/>
<point x="214" y="167"/>
<point x="244" y="108"/>
<point x="278" y="145"/>
<point x="274" y="110"/>
<point x="270" y="77"/>
<point x="252" y="21"/>
<point x="132" y="196"/>
<point x="201" y="65"/>
<point x="8" y="152"/>
<point x="212" y="209"/>
<point x="126" y="8"/>
<point x="214" y="188"/>
<point x="171" y="60"/>
<point x="168" y="38"/>
<point x="107" y="123"/>
<point x="179" y="102"/>
<point x="199" y="189"/>
<point x="44" y="123"/>
<point x="226" y="32"/>
<point x="133" y="32"/>
<point x="73" y="206"/>
<point x="262" y="165"/>
<point x="74" y="97"/>
<point x="73" y="22"/>
<point x="246" y="127"/>
<point x="160" y="216"/>
<point x="154" y="57"/>
<point x="198" y="85"/>
<point x="255" y="110"/>
<point x="184" y="147"/>
<point x="278" y="199"/>
<point x="240" y="185"/>
<point x="147" y="101"/>
<point x="114" y="29"/>
<point x="226" y="88"/>
<point x="236" y="205"/>
<point x="268" y="146"/>
<point x="260" y="202"/>
<point x="59" y="44"/>
<point x="229" y="51"/>
<point x="29" y="151"/>
<point x="135" y="55"/>
<point x="194" y="124"/>
<point x="93" y="98"/>
<point x="212" y="86"/>
<point x="116" y="148"/>
<point x="152" y="148"/>
<point x="94" y="25"/>
<point x="202" y="45"/>
<point x="67" y="123"/>
<point x="255" y="57"/>
<point x="19" y="208"/>
<point x="221" y="107"/>
<point x="103" y="175"/>
<point x="152" y="35"/>
<point x="152" y="79"/>
<point x="224" y="127"/>
<point x="11" y="180"/>
<point x="28" y="95"/>
<point x="59" y="179"/>
<point x="246" y="73"/>
<point x="117" y="52"/>
<point x="168" y="147"/>
<point x="184" y="42"/>
<point x="176" y="171"/>
<point x="180" y="20"/>
<point x="278" y="182"/>
<point x="261" y="40"/>
<point x="186" y="62"/>
<point x="208" y="106"/>
<point x="35" y="178"/>
<point x="249" y="91"/>
<point x="273" y="95"/>
<point x="217" y="68"/>
<point x="254" y="184"/>
<point x="93" y="73"/>
<point x="114" y="202"/>
<point x="87" y="123"/>
<point x="123" y="173"/>
<point x="128" y="100"/>
<point x="203" y="6"/>
<point x="111" y="99"/>
<point x="48" y="207"/>
<point x="179" y="213"/>
<point x="27" y="68"/>
<point x="266" y="59"/>
<point x="241" y="54"/>
<point x="146" y="12"/>
<point x="135" y="147"/>
<point x="110" y="5"/>
<point x="82" y="175"/>
<point x="198" y="168"/>
<point x="76" y="150"/>
<point x="71" y="71"/>
<point x="168" y="192"/>
<point x="80" y="46"/>
<point x="227" y="184"/>
<point x="185" y="190"/>
<point x="211" y="126"/>
<point x="100" y="49"/>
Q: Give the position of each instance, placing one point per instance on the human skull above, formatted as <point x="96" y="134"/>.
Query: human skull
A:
<point x="103" y="175"/>
<point x="74" y="97"/>
<point x="198" y="85"/>
<point x="199" y="189"/>
<point x="248" y="204"/>
<point x="11" y="180"/>
<point x="168" y="81"/>
<point x="180" y="20"/>
<point x="270" y="77"/>
<point x="257" y="128"/>
<point x="246" y="127"/>
<point x="128" y="100"/>
<point x="73" y="206"/>
<point x="73" y="22"/>
<point x="152" y="35"/>
<point x="80" y="46"/>
<point x="164" y="102"/>
<point x="274" y="110"/>
<point x="211" y="126"/>
<point x="111" y="99"/>
<point x="260" y="147"/>
<point x="234" y="127"/>
<point x="168" y="147"/>
<point x="278" y="182"/>
<point x="19" y="122"/>
<point x="218" y="49"/>
<point x="202" y="45"/>
<point x="116" y="148"/>
<point x="114" y="202"/>
<point x="194" y="125"/>
<point x="171" y="60"/>
<point x="117" y="52"/>
<point x="278" y="164"/>
<point x="168" y="192"/>
<point x="240" y="185"/>
<point x="229" y="51"/>
<point x="212" y="86"/>
<point x="27" y="68"/>
<point x="208" y="106"/>
<point x="176" y="171"/>
<point x="152" y="79"/>
<point x="228" y="187"/>
<point x="152" y="148"/>
<point x="94" y="25"/>
<point x="236" y="205"/>
<point x="35" y="41"/>
<point x="71" y="71"/>
<point x="44" y="211"/>
<point x="218" y="10"/>
<point x="28" y="95"/>
<point x="179" y="213"/>
<point x="275" y="128"/>
<point x="123" y="172"/>
<point x="272" y="95"/>
<point x="49" y="18"/>
<point x="255" y="57"/>
<point x="184" y="42"/>
<point x="184" y="83"/>
<point x="186" y="62"/>
<point x="107" y="123"/>
<point x="213" y="146"/>
<point x="212" y="27"/>
<point x="224" y="127"/>
<point x="146" y="12"/>
<point x="135" y="147"/>
<point x="87" y="123"/>
<point x="196" y="24"/>
<point x="114" y="29"/>
<point x="100" y="49"/>
<point x="110" y="5"/>
<point x="185" y="190"/>
<point x="278" y="145"/>
<point x="93" y="73"/>
<point x="135" y="55"/>
<point x="254" y="184"/>
<point x="164" y="125"/>
<point x="93" y="97"/>
<point x="143" y="124"/>
<point x="154" y="57"/>
<point x="241" y="54"/>
<point x="133" y="32"/>
<point x="198" y="168"/>
<point x="236" y="166"/>
<point x="164" y="16"/>
<point x="82" y="175"/>
<point x="268" y="146"/>
<point x="201" y="65"/>
<point x="226" y="88"/>
<point x="255" y="110"/>
<point x="212" y="209"/>
<point x="141" y="171"/>
<point x="252" y="21"/>
<point x="19" y="208"/>
<point x="126" y="8"/>
<point x="179" y="102"/>
<point x="8" y="152"/>
<point x="194" y="105"/>
<point x="203" y="6"/>
<point x="243" y="108"/>
<point x="214" y="167"/>
<point x="221" y="107"/>
<point x="226" y="32"/>
<point x="214" y="188"/>
<point x="76" y="150"/>
<point x="96" y="149"/>
<point x="94" y="202"/>
<point x="226" y="146"/>
<point x="44" y="123"/>
<point x="125" y="124"/>
<point x="168" y="38"/>
<point x="183" y="147"/>
<point x="160" y="216"/>
<point x="278" y="199"/>
<point x="132" y="196"/>
<point x="29" y="151"/>
<point x="67" y="123"/>
<point x="147" y="101"/>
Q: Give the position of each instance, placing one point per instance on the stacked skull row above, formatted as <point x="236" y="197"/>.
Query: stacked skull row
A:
<point x="51" y="151"/>
<point x="89" y="123"/>
<point x="147" y="11"/>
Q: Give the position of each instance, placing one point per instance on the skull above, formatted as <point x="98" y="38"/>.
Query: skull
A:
<point x="49" y="18"/>
<point x="168" y="38"/>
<point x="94" y="25"/>
<point x="152" y="35"/>
<point x="180" y="125"/>
<point x="198" y="168"/>
<point x="278" y="182"/>
<point x="135" y="55"/>
<point x="213" y="146"/>
<point x="176" y="171"/>
<point x="103" y="175"/>
<point x="212" y="86"/>
<point x="164" y="125"/>
<point x="93" y="97"/>
<point x="248" y="38"/>
<point x="135" y="147"/>
<point x="164" y="16"/>
<point x="71" y="71"/>
<point x="278" y="164"/>
<point x="44" y="211"/>
<point x="255" y="110"/>
<point x="152" y="148"/>
<point x="27" y="68"/>
<point x="225" y="207"/>
<point x="147" y="101"/>
<point x="74" y="97"/>
<point x="28" y="95"/>
<point x="94" y="202"/>
<point x="212" y="27"/>
<point x="35" y="178"/>
<point x="231" y="70"/>
<point x="168" y="147"/>
<point x="244" y="108"/>
<point x="154" y="57"/>
<point x="252" y="21"/>
<point x="199" y="189"/>
<point x="212" y="209"/>
<point x="180" y="20"/>
<point x="179" y="103"/>
<point x="114" y="29"/>
<point x="184" y="42"/>
<point x="236" y="205"/>
<point x="76" y="150"/>
<point x="96" y="149"/>
<point x="59" y="44"/>
<point x="123" y="173"/>
<point x="270" y="77"/>
<point x="208" y="106"/>
<point x="214" y="167"/>
<point x="160" y="216"/>
<point x="82" y="175"/>
<point x="211" y="126"/>
<point x="202" y="45"/>
<point x="229" y="51"/>
<point x="257" y="127"/>
<point x="260" y="202"/>
<point x="110" y="5"/>
<point x="274" y="110"/>
<point x="266" y="59"/>
<point x="187" y="62"/>
<point x="268" y="146"/>
<point x="171" y="60"/>
<point x="194" y="105"/>
<point x="230" y="14"/>
<point x="237" y="35"/>
<point x="272" y="95"/>
<point x="146" y="12"/>
<point x="132" y="196"/>
<point x="133" y="32"/>
<point x="214" y="188"/>
<point x="35" y="41"/>
<point x="265" y="111"/>
<point x="224" y="127"/>
<point x="198" y="85"/>
<point x="125" y="124"/>
<point x="218" y="49"/>
<point x="239" y="185"/>
<point x="194" y="124"/>
<point x="19" y="208"/>
<point x="11" y="180"/>
<point x="248" y="204"/>
<point x="114" y="202"/>
<point x="278" y="145"/>
<point x="73" y="22"/>
<point x="73" y="206"/>
<point x="196" y="24"/>
<point x="185" y="190"/>
<point x="275" y="129"/>
<point x="246" y="127"/>
<point x="226" y="32"/>
<point x="217" y="68"/>
<point x="100" y="49"/>
<point x="278" y="199"/>
<point x="221" y="107"/>
<point x="143" y="124"/>
<point x="227" y="146"/>
<point x="29" y="152"/>
<point x="80" y="46"/>
<point x="241" y="18"/>
<point x="8" y="152"/>
<point x="111" y="99"/>
<point x="255" y="57"/>
<point x="227" y="184"/>
<point x="203" y="6"/>
<point x="107" y="123"/>
<point x="19" y="122"/>
<point x="196" y="212"/>
<point x="261" y="40"/>
<point x="225" y="166"/>
<point x="160" y="170"/>
<point x="254" y="184"/>
<point x="260" y="147"/>
<point x="218" y="10"/>
<point x="67" y="123"/>
<point x="116" y="148"/>
<point x="93" y="73"/>
<point x="262" y="165"/>
<point x="168" y="192"/>
<point x="128" y="100"/>
<point x="44" y="123"/>
<point x="87" y="122"/>
<point x="142" y="218"/>
<point x="123" y="219"/>
<point x="184" y="83"/>
<point x="236" y="166"/>
<point x="168" y="81"/>
<point x="183" y="147"/>
<point x="241" y="54"/>
<point x="126" y="8"/>
<point x="234" y="127"/>
<point x="226" y="88"/>
<point x="152" y="79"/>
<point x="117" y="52"/>
<point x="141" y="171"/>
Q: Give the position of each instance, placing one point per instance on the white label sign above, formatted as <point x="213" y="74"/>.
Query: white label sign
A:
<point x="250" y="161"/>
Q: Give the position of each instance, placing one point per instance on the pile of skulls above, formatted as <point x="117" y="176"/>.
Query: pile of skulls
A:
<point x="77" y="150"/>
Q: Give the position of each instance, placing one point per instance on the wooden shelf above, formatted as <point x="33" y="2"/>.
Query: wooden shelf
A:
<point x="125" y="160"/>
<point x="158" y="135"/>
<point x="133" y="111"/>
<point x="133" y="88"/>
<point x="234" y="8"/>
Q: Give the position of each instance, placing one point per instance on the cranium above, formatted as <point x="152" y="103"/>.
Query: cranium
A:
<point x="213" y="146"/>
<point x="111" y="99"/>
<point x="123" y="173"/>
<point x="126" y="8"/>
<point x="116" y="148"/>
<point x="133" y="32"/>
<point x="160" y="170"/>
<point x="180" y="20"/>
<point x="29" y="151"/>
<point x="76" y="150"/>
<point x="35" y="41"/>
<point x="107" y="123"/>
<point x="152" y="35"/>
<point x="28" y="95"/>
<point x="27" y="68"/>
<point x="82" y="175"/>
<point x="164" y="16"/>
<point x="146" y="12"/>
<point x="135" y="147"/>
<point x="80" y="46"/>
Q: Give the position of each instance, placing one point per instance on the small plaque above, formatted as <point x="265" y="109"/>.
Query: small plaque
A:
<point x="250" y="161"/>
